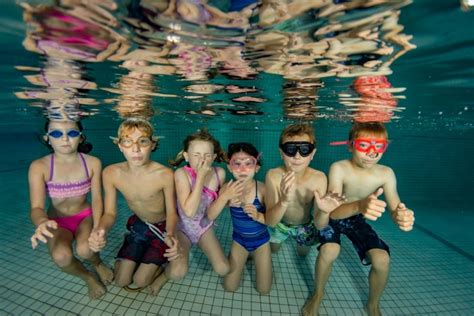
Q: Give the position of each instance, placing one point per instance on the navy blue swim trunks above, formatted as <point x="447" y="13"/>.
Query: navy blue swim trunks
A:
<point x="361" y="234"/>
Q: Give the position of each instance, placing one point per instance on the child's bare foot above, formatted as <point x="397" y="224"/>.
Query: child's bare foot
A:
<point x="155" y="287"/>
<point x="106" y="274"/>
<point x="96" y="289"/>
<point x="372" y="310"/>
<point x="311" y="307"/>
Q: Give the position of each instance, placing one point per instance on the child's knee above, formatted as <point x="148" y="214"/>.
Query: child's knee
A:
<point x="83" y="250"/>
<point x="121" y="280"/>
<point x="380" y="260"/>
<point x="263" y="290"/>
<point x="62" y="257"/>
<point x="329" y="252"/>
<point x="141" y="280"/>
<point x="228" y="287"/>
<point x="222" y="268"/>
<point x="177" y="272"/>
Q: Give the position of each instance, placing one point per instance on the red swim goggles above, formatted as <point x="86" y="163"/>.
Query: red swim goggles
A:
<point x="365" y="144"/>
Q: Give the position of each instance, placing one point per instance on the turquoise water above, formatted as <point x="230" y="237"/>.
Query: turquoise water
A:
<point x="429" y="117"/>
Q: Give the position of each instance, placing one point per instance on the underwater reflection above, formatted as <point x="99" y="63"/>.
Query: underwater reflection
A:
<point x="221" y="63"/>
<point x="375" y="100"/>
<point x="66" y="37"/>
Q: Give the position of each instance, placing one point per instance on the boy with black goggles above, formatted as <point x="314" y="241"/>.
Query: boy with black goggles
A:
<point x="291" y="148"/>
<point x="295" y="191"/>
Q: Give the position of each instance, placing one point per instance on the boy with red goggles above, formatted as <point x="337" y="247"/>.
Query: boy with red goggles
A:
<point x="361" y="180"/>
<point x="366" y="144"/>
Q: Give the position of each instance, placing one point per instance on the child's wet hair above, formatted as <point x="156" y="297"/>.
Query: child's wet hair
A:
<point x="202" y="135"/>
<point x="83" y="147"/>
<point x="367" y="128"/>
<point x="298" y="130"/>
<point x="247" y="148"/>
<point x="144" y="126"/>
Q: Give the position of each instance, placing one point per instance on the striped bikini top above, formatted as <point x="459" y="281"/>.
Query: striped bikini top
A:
<point x="68" y="189"/>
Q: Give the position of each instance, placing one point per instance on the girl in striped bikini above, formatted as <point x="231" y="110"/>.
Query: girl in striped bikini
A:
<point x="66" y="176"/>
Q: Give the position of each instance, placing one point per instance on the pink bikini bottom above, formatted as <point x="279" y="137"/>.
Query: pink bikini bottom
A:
<point x="72" y="222"/>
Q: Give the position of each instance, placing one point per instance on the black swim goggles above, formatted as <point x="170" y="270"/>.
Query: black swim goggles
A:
<point x="291" y="148"/>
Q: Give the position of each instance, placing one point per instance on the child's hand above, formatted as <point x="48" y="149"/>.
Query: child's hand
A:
<point x="328" y="202"/>
<point x="97" y="240"/>
<point x="371" y="207"/>
<point x="233" y="190"/>
<point x="203" y="169"/>
<point x="42" y="232"/>
<point x="235" y="202"/>
<point x="252" y="212"/>
<point x="288" y="186"/>
<point x="403" y="217"/>
<point x="173" y="251"/>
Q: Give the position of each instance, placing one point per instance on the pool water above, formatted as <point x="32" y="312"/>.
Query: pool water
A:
<point x="245" y="82"/>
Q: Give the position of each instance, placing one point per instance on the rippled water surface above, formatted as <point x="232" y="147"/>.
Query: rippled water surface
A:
<point x="387" y="61"/>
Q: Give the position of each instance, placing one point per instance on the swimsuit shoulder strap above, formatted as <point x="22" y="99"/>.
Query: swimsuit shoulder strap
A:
<point x="256" y="189"/>
<point x="190" y="171"/>
<point x="51" y="168"/>
<point x="84" y="164"/>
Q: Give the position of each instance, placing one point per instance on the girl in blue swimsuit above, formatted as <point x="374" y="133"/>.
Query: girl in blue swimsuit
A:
<point x="245" y="197"/>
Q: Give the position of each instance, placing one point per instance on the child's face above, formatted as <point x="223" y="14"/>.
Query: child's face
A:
<point x="243" y="166"/>
<point x="64" y="137"/>
<point x="368" y="149"/>
<point x="301" y="152"/>
<point x="199" y="151"/>
<point x="136" y="147"/>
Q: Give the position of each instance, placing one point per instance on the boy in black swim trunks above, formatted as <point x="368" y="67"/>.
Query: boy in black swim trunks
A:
<point x="362" y="180"/>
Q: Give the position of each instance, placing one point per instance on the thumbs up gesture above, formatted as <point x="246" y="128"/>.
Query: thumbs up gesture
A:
<point x="371" y="207"/>
<point x="403" y="217"/>
<point x="97" y="240"/>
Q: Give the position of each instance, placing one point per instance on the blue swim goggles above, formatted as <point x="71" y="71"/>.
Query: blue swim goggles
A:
<point x="72" y="133"/>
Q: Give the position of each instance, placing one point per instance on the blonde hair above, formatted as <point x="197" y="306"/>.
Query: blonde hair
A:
<point x="297" y="130"/>
<point x="140" y="124"/>
<point x="130" y="124"/>
<point x="203" y="135"/>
